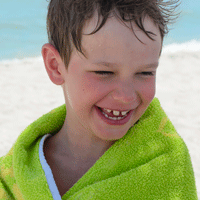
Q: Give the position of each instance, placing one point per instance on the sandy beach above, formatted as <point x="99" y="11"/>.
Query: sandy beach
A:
<point x="27" y="93"/>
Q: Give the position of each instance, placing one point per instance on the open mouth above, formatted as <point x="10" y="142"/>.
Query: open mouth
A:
<point x="111" y="115"/>
<point x="111" y="119"/>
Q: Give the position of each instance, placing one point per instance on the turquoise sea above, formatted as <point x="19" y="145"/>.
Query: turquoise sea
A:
<point x="23" y="27"/>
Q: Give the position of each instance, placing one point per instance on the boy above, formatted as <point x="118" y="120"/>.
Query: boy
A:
<point x="110" y="140"/>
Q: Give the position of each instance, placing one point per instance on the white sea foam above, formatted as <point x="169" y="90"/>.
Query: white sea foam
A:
<point x="20" y="61"/>
<point x="190" y="46"/>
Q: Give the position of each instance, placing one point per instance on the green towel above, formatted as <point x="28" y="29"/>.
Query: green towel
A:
<point x="150" y="162"/>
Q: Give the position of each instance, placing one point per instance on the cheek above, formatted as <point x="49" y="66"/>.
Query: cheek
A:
<point x="83" y="93"/>
<point x="147" y="90"/>
<point x="93" y="87"/>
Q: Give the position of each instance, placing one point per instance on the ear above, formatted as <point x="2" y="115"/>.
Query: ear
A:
<point x="53" y="63"/>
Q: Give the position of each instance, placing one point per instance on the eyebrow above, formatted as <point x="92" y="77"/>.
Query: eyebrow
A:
<point x="110" y="64"/>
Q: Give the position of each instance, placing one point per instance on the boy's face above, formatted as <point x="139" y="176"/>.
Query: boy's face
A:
<point x="128" y="82"/>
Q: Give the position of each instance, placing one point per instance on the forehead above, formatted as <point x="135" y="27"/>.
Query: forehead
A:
<point x="115" y="42"/>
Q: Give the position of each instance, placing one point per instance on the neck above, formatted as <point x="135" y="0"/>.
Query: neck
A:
<point x="79" y="146"/>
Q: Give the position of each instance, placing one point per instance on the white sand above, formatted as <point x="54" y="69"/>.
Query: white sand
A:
<point x="26" y="93"/>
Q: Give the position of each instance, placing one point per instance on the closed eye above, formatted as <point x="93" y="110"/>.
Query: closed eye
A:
<point x="147" y="73"/>
<point x="103" y="72"/>
<point x="110" y="73"/>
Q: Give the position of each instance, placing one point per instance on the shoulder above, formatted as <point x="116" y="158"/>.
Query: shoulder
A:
<point x="155" y="137"/>
<point x="171" y="153"/>
<point x="18" y="162"/>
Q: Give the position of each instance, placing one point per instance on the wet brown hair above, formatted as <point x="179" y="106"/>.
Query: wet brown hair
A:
<point x="66" y="18"/>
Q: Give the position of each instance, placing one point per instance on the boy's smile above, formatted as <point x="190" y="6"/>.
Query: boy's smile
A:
<point x="114" y="117"/>
<point x="118" y="75"/>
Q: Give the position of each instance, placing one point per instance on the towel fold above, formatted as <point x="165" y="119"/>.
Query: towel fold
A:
<point x="150" y="162"/>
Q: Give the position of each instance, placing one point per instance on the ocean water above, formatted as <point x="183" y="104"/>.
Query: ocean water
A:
<point x="23" y="28"/>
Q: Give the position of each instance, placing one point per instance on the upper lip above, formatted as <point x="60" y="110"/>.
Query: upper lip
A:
<point x="117" y="109"/>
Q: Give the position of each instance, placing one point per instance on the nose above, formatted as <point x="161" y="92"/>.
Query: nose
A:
<point x="124" y="92"/>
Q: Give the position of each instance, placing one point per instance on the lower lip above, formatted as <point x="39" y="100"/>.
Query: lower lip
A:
<point x="114" y="122"/>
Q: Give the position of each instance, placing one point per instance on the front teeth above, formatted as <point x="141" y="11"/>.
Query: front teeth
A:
<point x="113" y="118"/>
<point x="117" y="113"/>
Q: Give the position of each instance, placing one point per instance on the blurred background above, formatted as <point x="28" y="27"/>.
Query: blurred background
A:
<point x="26" y="92"/>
